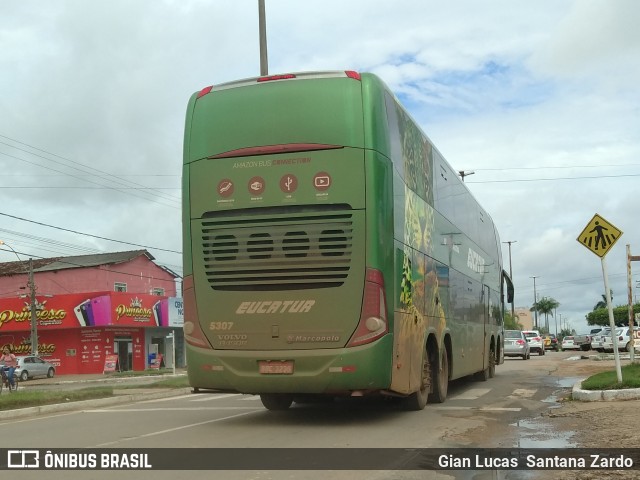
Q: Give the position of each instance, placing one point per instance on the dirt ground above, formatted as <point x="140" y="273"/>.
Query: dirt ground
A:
<point x="595" y="424"/>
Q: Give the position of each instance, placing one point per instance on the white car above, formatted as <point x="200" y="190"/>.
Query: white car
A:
<point x="597" y="341"/>
<point x="624" y="340"/>
<point x="536" y="342"/>
<point x="567" y="344"/>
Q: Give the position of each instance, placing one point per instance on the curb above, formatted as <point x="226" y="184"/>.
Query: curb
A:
<point x="577" y="393"/>
<point x="96" y="402"/>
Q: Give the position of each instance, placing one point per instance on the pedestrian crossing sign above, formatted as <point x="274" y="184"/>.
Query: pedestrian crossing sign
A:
<point x="599" y="236"/>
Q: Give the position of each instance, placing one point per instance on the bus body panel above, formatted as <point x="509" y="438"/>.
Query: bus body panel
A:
<point x="394" y="206"/>
<point x="282" y="112"/>
<point x="275" y="272"/>
<point x="319" y="371"/>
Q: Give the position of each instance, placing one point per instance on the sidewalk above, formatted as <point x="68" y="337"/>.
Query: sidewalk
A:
<point x="577" y="393"/>
<point x="125" y="395"/>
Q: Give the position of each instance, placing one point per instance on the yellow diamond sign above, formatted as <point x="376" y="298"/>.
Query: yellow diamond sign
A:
<point x="599" y="236"/>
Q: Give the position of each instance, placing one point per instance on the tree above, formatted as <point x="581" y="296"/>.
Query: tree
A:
<point x="603" y="303"/>
<point x="511" y="322"/>
<point x="546" y="306"/>
<point x="620" y="315"/>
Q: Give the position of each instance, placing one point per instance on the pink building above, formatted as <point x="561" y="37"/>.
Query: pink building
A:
<point x="93" y="311"/>
<point x="132" y="272"/>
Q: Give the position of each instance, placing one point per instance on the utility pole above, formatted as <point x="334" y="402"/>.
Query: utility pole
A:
<point x="262" y="26"/>
<point x="32" y="300"/>
<point x="513" y="308"/>
<point x="632" y="329"/>
<point x="535" y="301"/>
<point x="34" y="317"/>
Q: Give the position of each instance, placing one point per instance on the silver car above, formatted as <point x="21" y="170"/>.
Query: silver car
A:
<point x="30" y="366"/>
<point x="516" y="345"/>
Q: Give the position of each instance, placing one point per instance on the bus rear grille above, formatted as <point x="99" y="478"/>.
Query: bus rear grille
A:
<point x="288" y="248"/>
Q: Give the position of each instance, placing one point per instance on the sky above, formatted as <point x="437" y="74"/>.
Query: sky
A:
<point x="539" y="100"/>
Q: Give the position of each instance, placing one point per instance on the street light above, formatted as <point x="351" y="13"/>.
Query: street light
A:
<point x="513" y="308"/>
<point x="465" y="173"/>
<point x="535" y="301"/>
<point x="32" y="301"/>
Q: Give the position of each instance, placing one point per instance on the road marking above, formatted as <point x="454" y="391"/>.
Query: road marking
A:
<point x="482" y="409"/>
<point x="522" y="393"/>
<point x="205" y="397"/>
<point x="168" y="409"/>
<point x="471" y="394"/>
<point x="499" y="409"/>
<point x="169" y="430"/>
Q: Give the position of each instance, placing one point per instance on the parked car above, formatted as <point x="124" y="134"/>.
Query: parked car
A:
<point x="30" y="366"/>
<point x="516" y="345"/>
<point x="536" y="343"/>
<point x="567" y="344"/>
<point x="624" y="340"/>
<point x="551" y="342"/>
<point x="597" y="341"/>
<point x="584" y="339"/>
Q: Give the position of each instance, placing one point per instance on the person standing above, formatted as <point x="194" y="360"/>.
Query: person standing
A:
<point x="10" y="363"/>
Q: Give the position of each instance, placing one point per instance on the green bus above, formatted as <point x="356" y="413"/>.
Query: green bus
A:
<point x="329" y="249"/>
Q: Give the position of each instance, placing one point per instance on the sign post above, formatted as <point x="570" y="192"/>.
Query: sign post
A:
<point x="599" y="236"/>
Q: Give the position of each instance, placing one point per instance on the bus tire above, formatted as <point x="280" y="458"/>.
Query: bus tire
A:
<point x="276" y="401"/>
<point x="418" y="400"/>
<point x="441" y="379"/>
<point x="490" y="371"/>
<point x="492" y="364"/>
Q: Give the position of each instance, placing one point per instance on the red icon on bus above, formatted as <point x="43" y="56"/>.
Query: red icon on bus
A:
<point x="289" y="183"/>
<point x="225" y="188"/>
<point x="321" y="181"/>
<point x="256" y="185"/>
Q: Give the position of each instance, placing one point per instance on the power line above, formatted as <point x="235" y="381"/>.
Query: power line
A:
<point x="89" y="234"/>
<point x="599" y="177"/>
<point x="101" y="176"/>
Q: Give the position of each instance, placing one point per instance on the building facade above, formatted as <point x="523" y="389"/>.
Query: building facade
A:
<point x="93" y="312"/>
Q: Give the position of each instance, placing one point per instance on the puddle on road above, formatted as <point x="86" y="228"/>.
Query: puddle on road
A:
<point x="568" y="382"/>
<point x="537" y="434"/>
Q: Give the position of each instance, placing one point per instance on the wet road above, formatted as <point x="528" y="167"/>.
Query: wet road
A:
<point x="505" y="411"/>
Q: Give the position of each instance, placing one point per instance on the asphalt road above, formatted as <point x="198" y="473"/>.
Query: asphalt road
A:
<point x="506" y="411"/>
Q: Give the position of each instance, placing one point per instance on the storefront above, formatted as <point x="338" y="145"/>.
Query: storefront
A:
<point x="78" y="333"/>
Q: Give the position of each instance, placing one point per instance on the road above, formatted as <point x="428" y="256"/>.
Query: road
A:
<point x="502" y="412"/>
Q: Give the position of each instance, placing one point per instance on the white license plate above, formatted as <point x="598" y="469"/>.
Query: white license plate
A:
<point x="276" y="367"/>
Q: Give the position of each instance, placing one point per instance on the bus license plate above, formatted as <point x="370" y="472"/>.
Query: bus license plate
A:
<point x="276" y="368"/>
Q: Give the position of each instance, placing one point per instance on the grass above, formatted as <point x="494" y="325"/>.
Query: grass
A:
<point x="24" y="398"/>
<point x="609" y="380"/>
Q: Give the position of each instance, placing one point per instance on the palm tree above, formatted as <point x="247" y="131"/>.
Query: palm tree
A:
<point x="603" y="303"/>
<point x="546" y="306"/>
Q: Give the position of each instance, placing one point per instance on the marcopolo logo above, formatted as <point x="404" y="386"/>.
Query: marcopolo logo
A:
<point x="275" y="306"/>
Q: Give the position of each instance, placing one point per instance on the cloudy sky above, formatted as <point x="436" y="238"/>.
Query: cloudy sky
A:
<point x="539" y="99"/>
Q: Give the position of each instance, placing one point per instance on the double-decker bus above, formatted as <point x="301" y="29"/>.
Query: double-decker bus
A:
<point x="329" y="249"/>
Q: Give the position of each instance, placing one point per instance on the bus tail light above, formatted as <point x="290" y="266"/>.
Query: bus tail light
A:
<point x="373" y="317"/>
<point x="352" y="74"/>
<point x="193" y="334"/>
<point x="270" y="78"/>
<point x="205" y="91"/>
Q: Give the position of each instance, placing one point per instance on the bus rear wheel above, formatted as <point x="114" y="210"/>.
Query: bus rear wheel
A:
<point x="418" y="400"/>
<point x="441" y="382"/>
<point x="490" y="371"/>
<point x="276" y="401"/>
